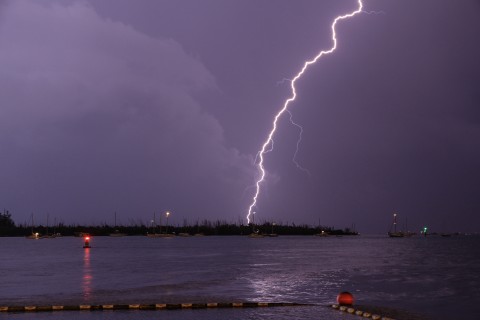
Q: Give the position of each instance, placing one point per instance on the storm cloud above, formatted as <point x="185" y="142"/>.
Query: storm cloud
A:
<point x="97" y="117"/>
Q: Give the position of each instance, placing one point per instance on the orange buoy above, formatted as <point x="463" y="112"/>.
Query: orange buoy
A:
<point x="345" y="299"/>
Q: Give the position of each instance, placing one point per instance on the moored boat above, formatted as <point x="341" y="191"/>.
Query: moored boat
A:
<point x="256" y="235"/>
<point x="117" y="232"/>
<point x="33" y="235"/>
<point x="395" y="233"/>
<point x="160" y="235"/>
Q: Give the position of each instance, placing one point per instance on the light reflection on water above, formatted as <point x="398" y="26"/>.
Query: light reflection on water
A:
<point x="278" y="286"/>
<point x="405" y="273"/>
<point x="87" y="275"/>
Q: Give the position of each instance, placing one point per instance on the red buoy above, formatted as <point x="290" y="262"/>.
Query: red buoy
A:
<point x="345" y="299"/>
<point x="87" y="242"/>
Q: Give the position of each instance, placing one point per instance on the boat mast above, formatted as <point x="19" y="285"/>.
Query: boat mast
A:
<point x="395" y="222"/>
<point x="154" y="223"/>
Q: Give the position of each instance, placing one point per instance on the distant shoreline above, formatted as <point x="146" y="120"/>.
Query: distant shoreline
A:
<point x="207" y="228"/>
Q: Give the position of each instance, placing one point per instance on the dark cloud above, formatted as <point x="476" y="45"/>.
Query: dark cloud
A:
<point x="97" y="117"/>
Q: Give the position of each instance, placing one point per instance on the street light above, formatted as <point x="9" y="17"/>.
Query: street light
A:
<point x="167" y="214"/>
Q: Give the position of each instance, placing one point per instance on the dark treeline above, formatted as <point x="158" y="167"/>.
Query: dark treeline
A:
<point x="9" y="229"/>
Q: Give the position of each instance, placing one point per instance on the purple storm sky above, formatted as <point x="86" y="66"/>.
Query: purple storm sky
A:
<point x="145" y="106"/>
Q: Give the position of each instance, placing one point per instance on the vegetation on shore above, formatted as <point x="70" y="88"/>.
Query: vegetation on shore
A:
<point x="9" y="229"/>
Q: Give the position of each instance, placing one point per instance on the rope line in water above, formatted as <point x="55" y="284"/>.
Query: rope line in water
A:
<point x="157" y="306"/>
<point x="360" y="313"/>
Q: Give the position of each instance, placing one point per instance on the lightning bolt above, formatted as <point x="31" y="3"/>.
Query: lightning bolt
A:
<point x="300" y="128"/>
<point x="268" y="144"/>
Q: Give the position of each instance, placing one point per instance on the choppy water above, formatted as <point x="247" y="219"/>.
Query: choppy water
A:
<point x="434" y="275"/>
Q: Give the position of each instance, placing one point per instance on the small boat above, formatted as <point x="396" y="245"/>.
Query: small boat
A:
<point x="272" y="234"/>
<point x="54" y="234"/>
<point x="256" y="232"/>
<point x="117" y="233"/>
<point x="398" y="234"/>
<point x="184" y="234"/>
<point x="160" y="235"/>
<point x="322" y="232"/>
<point x="256" y="235"/>
<point x="33" y="235"/>
<point x="395" y="233"/>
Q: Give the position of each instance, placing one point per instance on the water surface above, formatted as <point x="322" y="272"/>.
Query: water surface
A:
<point x="434" y="275"/>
